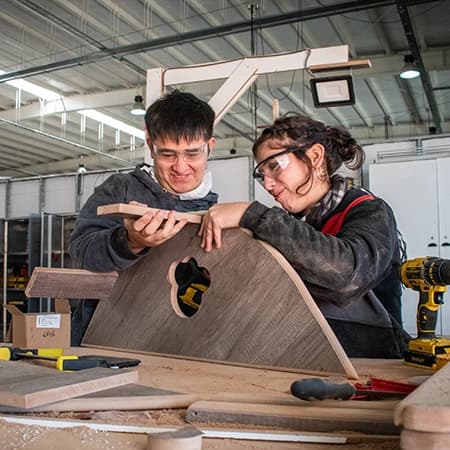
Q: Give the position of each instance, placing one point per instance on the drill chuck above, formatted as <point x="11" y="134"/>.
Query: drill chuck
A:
<point x="437" y="271"/>
<point x="423" y="273"/>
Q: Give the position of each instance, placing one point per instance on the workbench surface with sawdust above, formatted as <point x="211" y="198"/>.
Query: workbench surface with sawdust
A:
<point x="209" y="382"/>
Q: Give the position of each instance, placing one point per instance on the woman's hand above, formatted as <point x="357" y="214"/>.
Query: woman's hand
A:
<point x="151" y="229"/>
<point x="219" y="217"/>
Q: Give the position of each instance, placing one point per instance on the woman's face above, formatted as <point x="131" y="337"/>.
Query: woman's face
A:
<point x="288" y="179"/>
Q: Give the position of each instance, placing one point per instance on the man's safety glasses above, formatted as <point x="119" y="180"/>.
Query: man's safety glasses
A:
<point x="188" y="155"/>
<point x="274" y="165"/>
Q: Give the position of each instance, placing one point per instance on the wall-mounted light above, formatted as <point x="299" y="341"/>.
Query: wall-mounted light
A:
<point x="332" y="91"/>
<point x="410" y="70"/>
<point x="138" y="108"/>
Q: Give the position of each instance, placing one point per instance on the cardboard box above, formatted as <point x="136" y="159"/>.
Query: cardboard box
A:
<point x="41" y="330"/>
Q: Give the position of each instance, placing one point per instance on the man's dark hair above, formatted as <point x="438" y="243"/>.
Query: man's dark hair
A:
<point x="180" y="115"/>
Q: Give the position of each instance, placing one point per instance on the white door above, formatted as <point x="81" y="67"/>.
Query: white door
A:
<point x="443" y="177"/>
<point x="411" y="190"/>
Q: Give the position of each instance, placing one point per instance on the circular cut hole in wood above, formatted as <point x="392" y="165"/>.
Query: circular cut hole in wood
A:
<point x="189" y="283"/>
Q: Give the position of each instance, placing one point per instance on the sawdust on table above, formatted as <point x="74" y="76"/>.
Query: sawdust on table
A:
<point x="166" y="417"/>
<point x="26" y="437"/>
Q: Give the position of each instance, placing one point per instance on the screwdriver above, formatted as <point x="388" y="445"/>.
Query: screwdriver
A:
<point x="70" y="362"/>
<point x="51" y="354"/>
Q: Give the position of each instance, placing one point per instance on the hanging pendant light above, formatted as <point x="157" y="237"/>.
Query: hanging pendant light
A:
<point x="138" y="108"/>
<point x="410" y="70"/>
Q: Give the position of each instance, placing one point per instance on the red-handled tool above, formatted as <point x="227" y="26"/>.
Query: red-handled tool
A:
<point x="375" y="388"/>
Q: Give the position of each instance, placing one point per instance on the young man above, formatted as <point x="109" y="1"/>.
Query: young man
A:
<point x="179" y="133"/>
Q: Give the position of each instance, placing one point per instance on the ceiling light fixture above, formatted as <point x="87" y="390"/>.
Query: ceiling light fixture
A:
<point x="81" y="168"/>
<point x="46" y="94"/>
<point x="410" y="69"/>
<point x="113" y="123"/>
<point x="138" y="108"/>
<point x="332" y="91"/>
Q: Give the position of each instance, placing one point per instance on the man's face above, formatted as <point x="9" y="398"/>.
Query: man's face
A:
<point x="179" y="167"/>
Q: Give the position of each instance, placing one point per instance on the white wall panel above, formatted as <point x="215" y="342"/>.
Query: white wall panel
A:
<point x="231" y="179"/>
<point x="90" y="182"/>
<point x="3" y="188"/>
<point x="59" y="195"/>
<point x="23" y="198"/>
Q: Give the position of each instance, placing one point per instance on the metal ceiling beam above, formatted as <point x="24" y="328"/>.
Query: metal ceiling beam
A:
<point x="65" y="141"/>
<point x="402" y="6"/>
<point x="67" y="27"/>
<point x="192" y="36"/>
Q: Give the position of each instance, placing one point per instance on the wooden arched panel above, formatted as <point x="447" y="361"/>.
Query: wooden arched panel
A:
<point x="256" y="310"/>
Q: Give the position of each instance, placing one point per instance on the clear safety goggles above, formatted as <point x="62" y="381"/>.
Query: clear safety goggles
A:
<point x="188" y="155"/>
<point x="274" y="165"/>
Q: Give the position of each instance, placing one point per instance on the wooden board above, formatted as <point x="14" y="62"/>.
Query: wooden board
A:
<point x="418" y="440"/>
<point x="427" y="408"/>
<point x="256" y="311"/>
<point x="135" y="211"/>
<point x="25" y="385"/>
<point x="125" y="398"/>
<point x="70" y="283"/>
<point x="374" y="421"/>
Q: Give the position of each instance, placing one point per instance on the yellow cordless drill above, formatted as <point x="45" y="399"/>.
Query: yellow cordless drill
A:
<point x="430" y="276"/>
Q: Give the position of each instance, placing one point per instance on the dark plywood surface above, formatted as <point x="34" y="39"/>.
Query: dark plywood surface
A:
<point x="70" y="283"/>
<point x="256" y="311"/>
<point x="25" y="385"/>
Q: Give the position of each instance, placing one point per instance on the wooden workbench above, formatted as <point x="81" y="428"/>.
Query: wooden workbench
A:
<point x="209" y="381"/>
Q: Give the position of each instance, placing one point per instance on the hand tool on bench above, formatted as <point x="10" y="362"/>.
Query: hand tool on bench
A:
<point x="65" y="362"/>
<point x="375" y="388"/>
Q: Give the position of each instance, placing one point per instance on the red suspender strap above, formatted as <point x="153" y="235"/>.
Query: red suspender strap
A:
<point x="334" y="224"/>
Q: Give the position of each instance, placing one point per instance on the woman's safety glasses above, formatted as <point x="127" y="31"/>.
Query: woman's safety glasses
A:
<point x="274" y="165"/>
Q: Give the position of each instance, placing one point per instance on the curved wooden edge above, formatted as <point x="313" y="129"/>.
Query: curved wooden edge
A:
<point x="135" y="211"/>
<point x="429" y="419"/>
<point x="312" y="305"/>
<point x="174" y="287"/>
<point x="417" y="440"/>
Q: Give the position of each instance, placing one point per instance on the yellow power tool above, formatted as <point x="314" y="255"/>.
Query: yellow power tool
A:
<point x="430" y="276"/>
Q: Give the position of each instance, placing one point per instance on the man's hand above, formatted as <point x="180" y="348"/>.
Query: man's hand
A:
<point x="219" y="217"/>
<point x="150" y="230"/>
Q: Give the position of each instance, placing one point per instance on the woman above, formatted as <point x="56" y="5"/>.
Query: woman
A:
<point x="340" y="239"/>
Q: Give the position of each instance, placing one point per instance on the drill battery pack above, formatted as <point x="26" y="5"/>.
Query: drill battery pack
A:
<point x="428" y="353"/>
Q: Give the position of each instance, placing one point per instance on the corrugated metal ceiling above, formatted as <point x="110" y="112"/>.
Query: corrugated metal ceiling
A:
<point x="83" y="48"/>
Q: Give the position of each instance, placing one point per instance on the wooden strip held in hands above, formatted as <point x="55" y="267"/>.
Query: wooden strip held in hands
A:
<point x="135" y="211"/>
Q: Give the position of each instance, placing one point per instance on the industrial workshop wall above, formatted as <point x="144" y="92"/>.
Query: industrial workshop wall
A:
<point x="66" y="193"/>
<point x="413" y="177"/>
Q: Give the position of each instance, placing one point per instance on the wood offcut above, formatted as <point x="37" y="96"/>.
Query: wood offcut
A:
<point x="70" y="283"/>
<point x="25" y="385"/>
